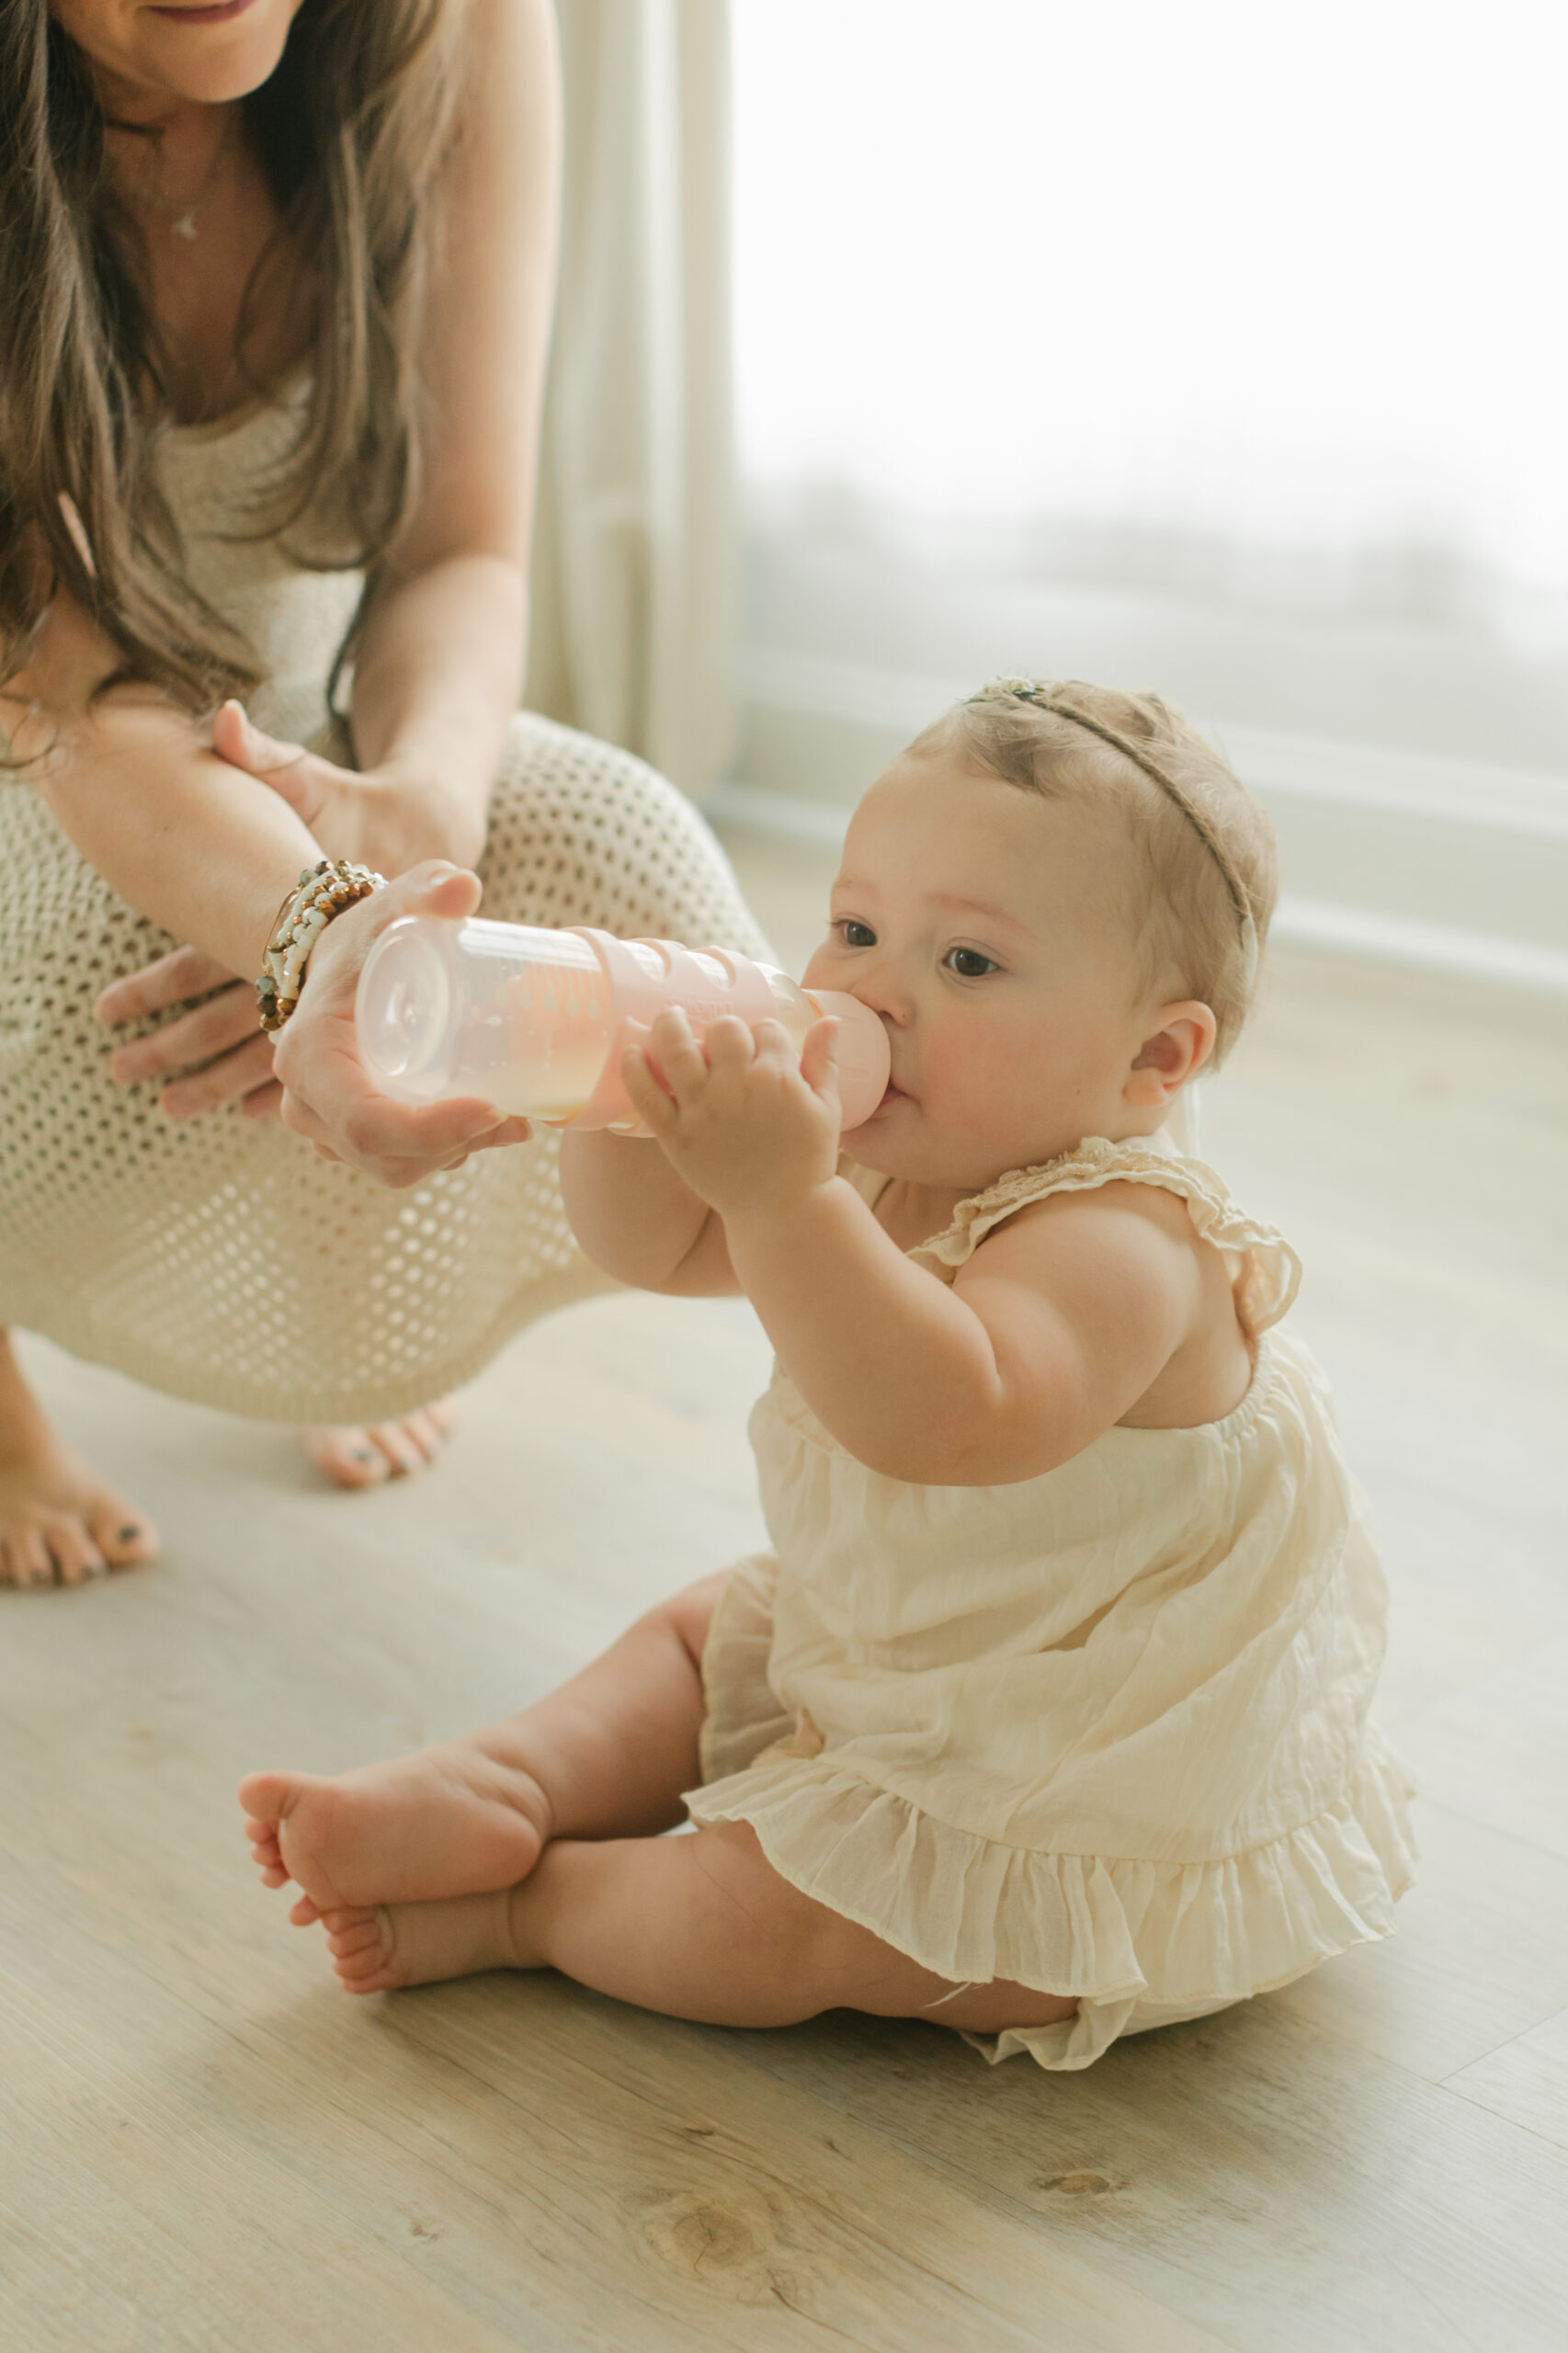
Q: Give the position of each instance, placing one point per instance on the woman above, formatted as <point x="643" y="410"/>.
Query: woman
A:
<point x="277" y="276"/>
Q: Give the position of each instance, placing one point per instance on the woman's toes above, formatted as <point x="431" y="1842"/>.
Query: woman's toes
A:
<point x="362" y="1457"/>
<point x="346" y="1454"/>
<point x="428" y="1433"/>
<point x="24" y="1559"/>
<point x="59" y="1526"/>
<point x="74" y="1554"/>
<point x="124" y="1540"/>
<point x="403" y="1453"/>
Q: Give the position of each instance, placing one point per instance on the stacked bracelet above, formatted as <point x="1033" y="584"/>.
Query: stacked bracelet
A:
<point x="323" y="891"/>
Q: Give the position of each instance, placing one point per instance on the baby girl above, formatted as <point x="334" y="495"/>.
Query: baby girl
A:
<point x="1045" y="1718"/>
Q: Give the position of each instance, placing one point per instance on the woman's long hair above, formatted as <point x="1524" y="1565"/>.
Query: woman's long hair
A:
<point x="351" y="128"/>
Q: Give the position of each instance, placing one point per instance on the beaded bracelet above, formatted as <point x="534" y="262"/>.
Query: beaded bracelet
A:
<point x="323" y="891"/>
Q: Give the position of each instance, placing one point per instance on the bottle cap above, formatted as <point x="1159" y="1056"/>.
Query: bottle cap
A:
<point x="864" y="1063"/>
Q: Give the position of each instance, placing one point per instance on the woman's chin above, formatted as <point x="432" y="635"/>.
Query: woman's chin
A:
<point x="211" y="64"/>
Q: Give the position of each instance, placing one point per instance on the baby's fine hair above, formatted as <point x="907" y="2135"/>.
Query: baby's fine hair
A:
<point x="1201" y="889"/>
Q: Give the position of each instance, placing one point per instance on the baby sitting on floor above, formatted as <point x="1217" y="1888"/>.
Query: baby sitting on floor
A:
<point x="1046" y="1716"/>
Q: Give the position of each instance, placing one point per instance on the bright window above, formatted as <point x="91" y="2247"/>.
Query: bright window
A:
<point x="1292" y="275"/>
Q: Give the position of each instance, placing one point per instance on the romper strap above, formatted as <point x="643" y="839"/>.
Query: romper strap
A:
<point x="1273" y="1271"/>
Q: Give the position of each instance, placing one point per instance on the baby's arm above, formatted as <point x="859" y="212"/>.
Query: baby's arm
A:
<point x="1055" y="1329"/>
<point x="638" y="1221"/>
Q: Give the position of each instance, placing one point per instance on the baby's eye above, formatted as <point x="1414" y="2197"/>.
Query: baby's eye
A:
<point x="969" y="963"/>
<point x="853" y="934"/>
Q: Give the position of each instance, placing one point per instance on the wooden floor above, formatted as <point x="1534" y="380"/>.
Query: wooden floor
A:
<point x="206" y="2146"/>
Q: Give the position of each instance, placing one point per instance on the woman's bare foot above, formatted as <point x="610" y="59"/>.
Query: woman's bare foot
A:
<point x="449" y="1821"/>
<point x="58" y="1523"/>
<point x="363" y="1454"/>
<point x="416" y="1944"/>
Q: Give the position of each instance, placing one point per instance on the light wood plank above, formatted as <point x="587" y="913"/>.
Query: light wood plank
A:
<point x="1260" y="2179"/>
<point x="1479" y="1957"/>
<point x="528" y="2160"/>
<point x="207" y="2146"/>
<point x="1496" y="1750"/>
<point x="1526" y="2081"/>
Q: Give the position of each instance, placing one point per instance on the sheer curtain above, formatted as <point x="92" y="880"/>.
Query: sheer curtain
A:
<point x="1217" y="348"/>
<point x="632" y="570"/>
<point x="1289" y="278"/>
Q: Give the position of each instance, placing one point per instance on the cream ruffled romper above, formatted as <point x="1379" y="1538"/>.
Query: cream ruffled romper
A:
<point x="1104" y="1732"/>
<point x="221" y="1259"/>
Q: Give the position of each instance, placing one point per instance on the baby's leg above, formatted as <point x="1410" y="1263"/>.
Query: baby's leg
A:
<point x="701" y="1928"/>
<point x="608" y="1754"/>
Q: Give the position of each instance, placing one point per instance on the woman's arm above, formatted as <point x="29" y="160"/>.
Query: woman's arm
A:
<point x="209" y="854"/>
<point x="439" y="670"/>
<point x="188" y="839"/>
<point x="201" y="849"/>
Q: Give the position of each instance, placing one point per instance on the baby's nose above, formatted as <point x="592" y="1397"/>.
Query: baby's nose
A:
<point x="881" y="987"/>
<point x="893" y="1010"/>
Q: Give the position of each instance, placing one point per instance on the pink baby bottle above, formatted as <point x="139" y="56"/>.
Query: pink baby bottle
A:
<point x="536" y="1021"/>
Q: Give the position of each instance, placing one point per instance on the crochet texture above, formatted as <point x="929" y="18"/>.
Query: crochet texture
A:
<point x="218" y="1259"/>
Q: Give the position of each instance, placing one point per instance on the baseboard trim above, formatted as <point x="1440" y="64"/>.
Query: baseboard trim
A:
<point x="1311" y="768"/>
<point x="1323" y="923"/>
<point x="788" y="816"/>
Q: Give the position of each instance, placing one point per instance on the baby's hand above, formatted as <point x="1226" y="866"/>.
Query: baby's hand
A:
<point x="750" y="1127"/>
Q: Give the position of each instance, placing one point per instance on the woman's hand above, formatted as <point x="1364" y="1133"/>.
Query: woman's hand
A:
<point x="751" y="1127"/>
<point x="378" y="817"/>
<point x="212" y="1055"/>
<point x="327" y="1096"/>
<point x="218" y="1053"/>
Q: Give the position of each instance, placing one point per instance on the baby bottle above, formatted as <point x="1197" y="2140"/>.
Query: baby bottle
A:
<point x="536" y="1021"/>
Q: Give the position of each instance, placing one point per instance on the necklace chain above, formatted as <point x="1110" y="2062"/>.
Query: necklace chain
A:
<point x="183" y="210"/>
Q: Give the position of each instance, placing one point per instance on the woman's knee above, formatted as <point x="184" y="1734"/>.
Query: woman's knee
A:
<point x="583" y="832"/>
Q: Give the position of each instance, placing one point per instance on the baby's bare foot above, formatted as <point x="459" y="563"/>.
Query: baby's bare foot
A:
<point x="58" y="1523"/>
<point x="416" y="1944"/>
<point x="363" y="1454"/>
<point x="450" y="1821"/>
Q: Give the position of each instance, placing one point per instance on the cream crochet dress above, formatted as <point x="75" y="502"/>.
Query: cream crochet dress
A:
<point x="1102" y="1732"/>
<point x="219" y="1259"/>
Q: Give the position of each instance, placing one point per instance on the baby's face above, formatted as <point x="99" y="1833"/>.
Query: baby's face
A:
<point x="982" y="923"/>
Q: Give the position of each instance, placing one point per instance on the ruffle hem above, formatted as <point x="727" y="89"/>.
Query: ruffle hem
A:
<point x="1138" y="1943"/>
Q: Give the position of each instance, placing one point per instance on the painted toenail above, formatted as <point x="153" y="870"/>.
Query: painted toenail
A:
<point x="129" y="1535"/>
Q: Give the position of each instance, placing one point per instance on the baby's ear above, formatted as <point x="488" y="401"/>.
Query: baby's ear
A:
<point x="1171" y="1054"/>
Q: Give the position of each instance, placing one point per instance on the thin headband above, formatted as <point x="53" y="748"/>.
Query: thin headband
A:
<point x="1043" y="700"/>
